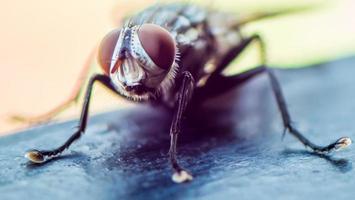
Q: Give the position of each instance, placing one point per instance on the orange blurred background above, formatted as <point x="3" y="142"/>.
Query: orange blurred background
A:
<point x="45" y="43"/>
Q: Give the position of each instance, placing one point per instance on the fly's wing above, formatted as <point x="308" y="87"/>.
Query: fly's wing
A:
<point x="225" y="25"/>
<point x="248" y="18"/>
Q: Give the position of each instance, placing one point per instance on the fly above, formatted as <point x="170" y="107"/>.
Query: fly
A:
<point x="160" y="56"/>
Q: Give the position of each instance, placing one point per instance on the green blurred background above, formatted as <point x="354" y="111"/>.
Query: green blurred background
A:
<point x="45" y="43"/>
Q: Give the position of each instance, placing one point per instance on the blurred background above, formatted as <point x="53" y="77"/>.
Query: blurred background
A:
<point x="44" y="45"/>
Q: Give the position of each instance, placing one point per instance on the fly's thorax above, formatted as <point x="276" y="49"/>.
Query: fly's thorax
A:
<point x="142" y="62"/>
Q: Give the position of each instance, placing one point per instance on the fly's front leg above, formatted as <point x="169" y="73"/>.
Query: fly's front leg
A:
<point x="40" y="156"/>
<point x="185" y="92"/>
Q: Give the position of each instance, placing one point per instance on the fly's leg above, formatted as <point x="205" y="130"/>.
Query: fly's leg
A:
<point x="40" y="156"/>
<point x="186" y="89"/>
<point x="237" y="80"/>
<point x="233" y="53"/>
<point x="337" y="145"/>
<point x="213" y="85"/>
<point x="73" y="98"/>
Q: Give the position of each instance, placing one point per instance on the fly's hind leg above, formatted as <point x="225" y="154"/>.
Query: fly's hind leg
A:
<point x="73" y="98"/>
<point x="214" y="85"/>
<point x="40" y="156"/>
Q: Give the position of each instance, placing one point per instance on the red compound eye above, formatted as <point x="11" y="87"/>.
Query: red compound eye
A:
<point x="106" y="49"/>
<point x="158" y="44"/>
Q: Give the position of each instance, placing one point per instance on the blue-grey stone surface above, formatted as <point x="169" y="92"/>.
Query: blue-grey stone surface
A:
<point x="234" y="152"/>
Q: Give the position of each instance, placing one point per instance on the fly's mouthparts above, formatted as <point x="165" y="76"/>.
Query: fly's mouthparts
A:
<point x="137" y="88"/>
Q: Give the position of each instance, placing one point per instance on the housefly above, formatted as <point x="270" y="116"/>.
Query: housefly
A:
<point x="174" y="55"/>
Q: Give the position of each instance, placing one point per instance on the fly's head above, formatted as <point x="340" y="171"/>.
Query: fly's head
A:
<point x="140" y="60"/>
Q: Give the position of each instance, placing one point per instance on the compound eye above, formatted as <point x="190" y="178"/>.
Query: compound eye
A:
<point x="106" y="49"/>
<point x="158" y="44"/>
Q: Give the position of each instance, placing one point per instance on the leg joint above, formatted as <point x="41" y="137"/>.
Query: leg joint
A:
<point x="261" y="42"/>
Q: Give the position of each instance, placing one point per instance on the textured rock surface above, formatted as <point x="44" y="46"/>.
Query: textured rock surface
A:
<point x="233" y="153"/>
